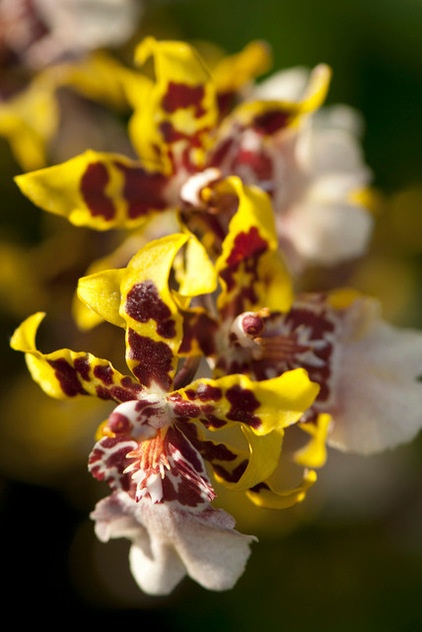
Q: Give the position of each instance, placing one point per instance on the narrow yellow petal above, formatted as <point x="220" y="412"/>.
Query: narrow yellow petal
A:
<point x="264" y="496"/>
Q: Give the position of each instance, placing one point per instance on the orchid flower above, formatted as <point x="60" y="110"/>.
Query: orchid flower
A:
<point x="320" y="184"/>
<point x="45" y="32"/>
<point x="186" y="138"/>
<point x="152" y="449"/>
<point x="253" y="280"/>
<point x="369" y="371"/>
<point x="262" y="329"/>
<point x="48" y="45"/>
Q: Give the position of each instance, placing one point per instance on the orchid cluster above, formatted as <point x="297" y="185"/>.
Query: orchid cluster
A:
<point x="233" y="190"/>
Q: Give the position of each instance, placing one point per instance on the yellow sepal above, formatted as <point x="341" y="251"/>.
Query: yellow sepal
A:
<point x="268" y="498"/>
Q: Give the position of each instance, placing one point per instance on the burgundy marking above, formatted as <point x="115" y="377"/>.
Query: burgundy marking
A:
<point x="233" y="476"/>
<point x="93" y="184"/>
<point x="177" y="439"/>
<point x="246" y="245"/>
<point x="117" y="393"/>
<point x="119" y="424"/>
<point x="207" y="392"/>
<point x="143" y="191"/>
<point x="200" y="327"/>
<point x="186" y="482"/>
<point x="212" y="421"/>
<point x="247" y="249"/>
<point x="258" y="162"/>
<point x="108" y="462"/>
<point x="143" y="303"/>
<point x="131" y="386"/>
<point x="155" y="360"/>
<point x="180" y="96"/>
<point x="220" y="151"/>
<point x="185" y="410"/>
<point x="320" y="327"/>
<point x="243" y="404"/>
<point x="215" y="451"/>
<point x="68" y="377"/>
<point x="226" y="102"/>
<point x="104" y="373"/>
<point x="82" y="367"/>
<point x="172" y="135"/>
<point x="260" y="486"/>
<point x="169" y="491"/>
<point x="271" y="121"/>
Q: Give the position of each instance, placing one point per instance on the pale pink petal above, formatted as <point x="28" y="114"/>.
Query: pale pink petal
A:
<point x="168" y="544"/>
<point x="379" y="392"/>
<point x="326" y="233"/>
<point x="285" y="85"/>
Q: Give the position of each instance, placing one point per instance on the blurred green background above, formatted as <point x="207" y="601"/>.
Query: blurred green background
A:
<point x="350" y="557"/>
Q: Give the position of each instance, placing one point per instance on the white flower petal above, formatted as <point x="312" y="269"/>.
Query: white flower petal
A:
<point x="213" y="553"/>
<point x="326" y="234"/>
<point x="332" y="151"/>
<point x="379" y="395"/>
<point x="286" y="85"/>
<point x="156" y="567"/>
<point x="339" y="117"/>
<point x="168" y="544"/>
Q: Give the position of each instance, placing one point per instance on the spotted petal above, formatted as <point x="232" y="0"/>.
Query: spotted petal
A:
<point x="233" y="73"/>
<point x="251" y="270"/>
<point x="270" y="116"/>
<point x="153" y="322"/>
<point x="97" y="189"/>
<point x="261" y="410"/>
<point x="65" y="373"/>
<point x="172" y="126"/>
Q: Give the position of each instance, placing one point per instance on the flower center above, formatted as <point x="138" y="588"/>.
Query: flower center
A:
<point x="149" y="466"/>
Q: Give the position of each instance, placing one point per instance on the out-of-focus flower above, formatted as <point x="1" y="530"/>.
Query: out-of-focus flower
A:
<point x="44" y="32"/>
<point x="321" y="193"/>
<point x="151" y="450"/>
<point x="313" y="171"/>
<point x="49" y="50"/>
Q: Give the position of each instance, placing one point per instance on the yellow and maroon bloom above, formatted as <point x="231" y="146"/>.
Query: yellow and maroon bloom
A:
<point x="172" y="129"/>
<point x="153" y="447"/>
<point x="185" y="139"/>
<point x="368" y="371"/>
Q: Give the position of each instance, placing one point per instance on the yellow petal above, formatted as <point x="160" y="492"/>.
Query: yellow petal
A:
<point x="101" y="293"/>
<point x="252" y="272"/>
<point x="96" y="189"/>
<point x="234" y="71"/>
<point x="197" y="275"/>
<point x="265" y="497"/>
<point x="314" y="454"/>
<point x="67" y="374"/>
<point x="173" y="123"/>
<point x="29" y="121"/>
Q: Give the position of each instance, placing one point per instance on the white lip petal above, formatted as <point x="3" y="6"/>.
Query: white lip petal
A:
<point x="168" y="544"/>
